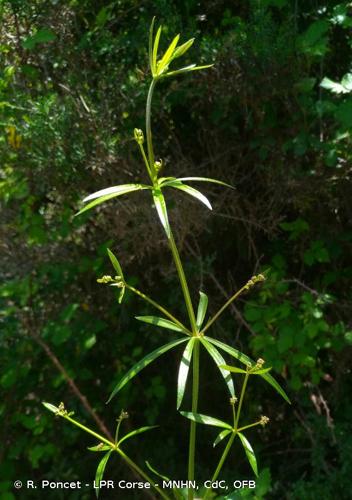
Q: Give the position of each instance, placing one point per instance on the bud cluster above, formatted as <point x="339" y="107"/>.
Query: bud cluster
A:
<point x="264" y="420"/>
<point x="139" y="136"/>
<point x="254" y="280"/>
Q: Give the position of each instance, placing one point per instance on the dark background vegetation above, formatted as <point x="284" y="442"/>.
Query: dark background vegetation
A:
<point x="73" y="85"/>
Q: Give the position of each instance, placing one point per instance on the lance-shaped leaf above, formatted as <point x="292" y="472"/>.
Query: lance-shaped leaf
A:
<point x="143" y="363"/>
<point x="100" y="471"/>
<point x="151" y="35"/>
<point x="136" y="432"/>
<point x="184" y="370"/>
<point x="160" y="206"/>
<point x="219" y="361"/>
<point x="202" y="309"/>
<point x="106" y="197"/>
<point x="182" y="48"/>
<point x="191" y="191"/>
<point x="117" y="190"/>
<point x="51" y="407"/>
<point x="206" y="179"/>
<point x="205" y="419"/>
<point x="165" y="60"/>
<point x="100" y="447"/>
<point x="116" y="264"/>
<point x="234" y="369"/>
<point x="260" y="371"/>
<point x="186" y="69"/>
<point x="248" y="362"/>
<point x="221" y="436"/>
<point x="156" y="472"/>
<point x="249" y="452"/>
<point x="157" y="321"/>
<point x="155" y="50"/>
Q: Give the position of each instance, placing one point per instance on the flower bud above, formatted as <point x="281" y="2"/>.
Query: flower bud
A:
<point x="264" y="420"/>
<point x="139" y="136"/>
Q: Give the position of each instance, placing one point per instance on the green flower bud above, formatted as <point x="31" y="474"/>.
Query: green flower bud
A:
<point x="139" y="136"/>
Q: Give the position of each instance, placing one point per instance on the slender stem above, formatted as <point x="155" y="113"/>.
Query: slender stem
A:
<point x="117" y="431"/>
<point x="248" y="426"/>
<point x="158" y="306"/>
<point x="130" y="462"/>
<point x="243" y="390"/>
<point x="149" y="128"/>
<point x="193" y="427"/>
<point x="146" y="161"/>
<point x="222" y="309"/>
<point x="145" y="476"/>
<point x="221" y="462"/>
<point x="183" y="281"/>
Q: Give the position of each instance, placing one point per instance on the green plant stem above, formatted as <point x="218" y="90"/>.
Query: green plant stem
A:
<point x="248" y="426"/>
<point x="149" y="129"/>
<point x="243" y="390"/>
<point x="221" y="462"/>
<point x="128" y="460"/>
<point x="193" y="426"/>
<point x="159" y="307"/>
<point x="145" y="476"/>
<point x="146" y="161"/>
<point x="222" y="309"/>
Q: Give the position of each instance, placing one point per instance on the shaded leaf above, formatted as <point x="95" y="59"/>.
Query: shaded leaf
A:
<point x="202" y="309"/>
<point x="151" y="33"/>
<point x="50" y="407"/>
<point x="233" y="369"/>
<point x="143" y="363"/>
<point x="100" y="447"/>
<point x="221" y="436"/>
<point x="219" y="361"/>
<point x="115" y="264"/>
<point x="157" y="321"/>
<point x="136" y="432"/>
<point x="184" y="370"/>
<point x="205" y="419"/>
<point x="100" y="471"/>
<point x="156" y="472"/>
<point x="249" y="452"/>
<point x="248" y="362"/>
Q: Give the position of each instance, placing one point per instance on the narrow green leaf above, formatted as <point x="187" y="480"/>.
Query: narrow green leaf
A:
<point x="221" y="436"/>
<point x="50" y="407"/>
<point x="183" y="371"/>
<point x="202" y="309"/>
<point x="155" y="471"/>
<point x="233" y="369"/>
<point x="260" y="371"/>
<point x="186" y="69"/>
<point x="155" y="49"/>
<point x="205" y="419"/>
<point x="136" y="432"/>
<point x="160" y="206"/>
<point x="157" y="321"/>
<point x="182" y="48"/>
<point x="116" y="264"/>
<point x="249" y="452"/>
<point x="248" y="362"/>
<point x="219" y="361"/>
<point x="205" y="179"/>
<point x="143" y="363"/>
<point x="191" y="191"/>
<point x="100" y="447"/>
<point x="95" y="203"/>
<point x="151" y="36"/>
<point x="100" y="471"/>
<point x="117" y="190"/>
<point x="165" y="60"/>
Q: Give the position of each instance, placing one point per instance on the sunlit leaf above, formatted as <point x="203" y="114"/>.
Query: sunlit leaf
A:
<point x="249" y="452"/>
<point x="151" y="34"/>
<point x="143" y="363"/>
<point x="51" y="407"/>
<point x="160" y="206"/>
<point x="184" y="370"/>
<point x="117" y="190"/>
<point x="168" y="54"/>
<point x="202" y="309"/>
<point x="100" y="471"/>
<point x="219" y="361"/>
<point x="248" y="362"/>
<point x="221" y="436"/>
<point x="205" y="179"/>
<point x="205" y="419"/>
<point x="157" y="321"/>
<point x="136" y="432"/>
<point x="182" y="48"/>
<point x="233" y="369"/>
<point x="191" y="191"/>
<point x="155" y="49"/>
<point x="186" y="69"/>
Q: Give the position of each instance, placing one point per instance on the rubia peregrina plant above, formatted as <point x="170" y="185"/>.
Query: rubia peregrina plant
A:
<point x="193" y="334"/>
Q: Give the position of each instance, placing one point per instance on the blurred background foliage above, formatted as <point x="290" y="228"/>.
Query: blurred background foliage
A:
<point x="274" y="118"/>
